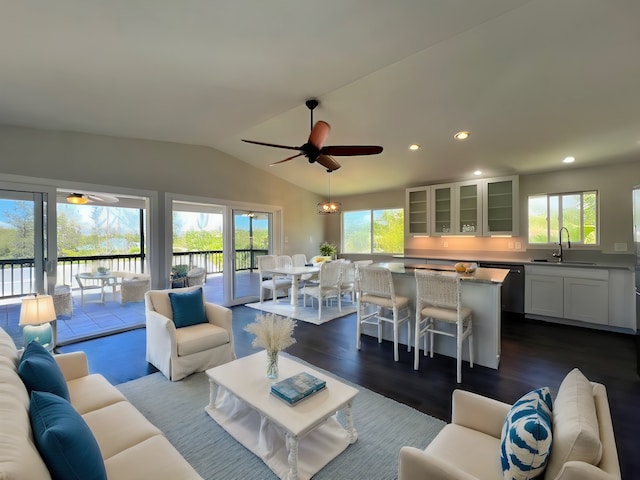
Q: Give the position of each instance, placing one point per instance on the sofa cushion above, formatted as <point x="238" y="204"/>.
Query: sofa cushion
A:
<point x="64" y="440"/>
<point x="576" y="435"/>
<point x="92" y="392"/>
<point x="187" y="308"/>
<point x="526" y="436"/>
<point x="39" y="371"/>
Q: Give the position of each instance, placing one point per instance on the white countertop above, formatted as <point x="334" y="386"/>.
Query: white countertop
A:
<point x="481" y="275"/>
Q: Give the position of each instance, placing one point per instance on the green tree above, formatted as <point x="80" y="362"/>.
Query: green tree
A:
<point x="21" y="218"/>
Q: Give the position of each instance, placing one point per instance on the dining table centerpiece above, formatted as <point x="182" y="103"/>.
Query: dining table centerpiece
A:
<point x="273" y="333"/>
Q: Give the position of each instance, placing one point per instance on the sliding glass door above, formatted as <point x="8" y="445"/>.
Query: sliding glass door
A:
<point x="251" y="238"/>
<point x="23" y="242"/>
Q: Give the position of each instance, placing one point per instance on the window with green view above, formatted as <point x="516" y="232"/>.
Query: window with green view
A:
<point x="577" y="211"/>
<point x="373" y="231"/>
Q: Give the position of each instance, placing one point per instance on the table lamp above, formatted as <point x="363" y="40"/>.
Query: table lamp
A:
<point x="35" y="314"/>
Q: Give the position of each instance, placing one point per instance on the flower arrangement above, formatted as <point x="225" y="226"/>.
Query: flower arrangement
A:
<point x="273" y="333"/>
<point x="328" y="250"/>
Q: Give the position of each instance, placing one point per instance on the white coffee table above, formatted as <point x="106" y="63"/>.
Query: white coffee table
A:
<point x="294" y="441"/>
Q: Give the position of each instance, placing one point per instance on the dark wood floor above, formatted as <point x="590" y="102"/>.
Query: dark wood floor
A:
<point x="534" y="354"/>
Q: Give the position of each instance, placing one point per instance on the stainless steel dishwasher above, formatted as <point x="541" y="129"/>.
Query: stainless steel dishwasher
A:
<point x="512" y="291"/>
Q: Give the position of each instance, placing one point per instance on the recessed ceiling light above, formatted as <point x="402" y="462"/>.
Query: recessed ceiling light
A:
<point x="414" y="146"/>
<point x="461" y="135"/>
<point x="478" y="172"/>
<point x="569" y="160"/>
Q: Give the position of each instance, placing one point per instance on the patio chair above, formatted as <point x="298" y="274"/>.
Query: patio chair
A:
<point x="132" y="289"/>
<point x="196" y="276"/>
<point x="62" y="301"/>
<point x="89" y="285"/>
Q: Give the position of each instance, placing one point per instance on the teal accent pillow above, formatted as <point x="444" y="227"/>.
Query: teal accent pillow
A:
<point x="64" y="440"/>
<point x="526" y="436"/>
<point x="39" y="371"/>
<point x="187" y="308"/>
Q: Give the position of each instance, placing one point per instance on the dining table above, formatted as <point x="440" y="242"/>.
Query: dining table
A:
<point x="106" y="279"/>
<point x="295" y="273"/>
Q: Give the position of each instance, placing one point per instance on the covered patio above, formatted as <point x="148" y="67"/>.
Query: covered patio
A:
<point x="94" y="319"/>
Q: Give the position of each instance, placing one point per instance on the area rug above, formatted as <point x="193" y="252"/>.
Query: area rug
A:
<point x="306" y="314"/>
<point x="177" y="409"/>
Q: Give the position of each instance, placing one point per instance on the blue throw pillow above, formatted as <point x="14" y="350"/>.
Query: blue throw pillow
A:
<point x="187" y="308"/>
<point x="39" y="371"/>
<point x="526" y="436"/>
<point x="64" y="440"/>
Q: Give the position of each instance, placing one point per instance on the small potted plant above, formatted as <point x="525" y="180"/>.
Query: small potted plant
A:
<point x="328" y="250"/>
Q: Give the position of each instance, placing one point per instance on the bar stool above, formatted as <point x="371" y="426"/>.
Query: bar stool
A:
<point x="438" y="300"/>
<point x="375" y="287"/>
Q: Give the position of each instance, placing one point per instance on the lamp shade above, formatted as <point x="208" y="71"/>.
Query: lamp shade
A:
<point x="37" y="310"/>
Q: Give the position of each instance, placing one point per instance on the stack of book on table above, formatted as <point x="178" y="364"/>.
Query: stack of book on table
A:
<point x="298" y="387"/>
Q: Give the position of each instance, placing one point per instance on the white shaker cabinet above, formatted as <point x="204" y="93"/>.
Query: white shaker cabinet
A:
<point x="568" y="293"/>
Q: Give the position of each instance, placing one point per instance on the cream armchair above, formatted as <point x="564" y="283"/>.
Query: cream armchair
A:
<point x="583" y="446"/>
<point x="178" y="352"/>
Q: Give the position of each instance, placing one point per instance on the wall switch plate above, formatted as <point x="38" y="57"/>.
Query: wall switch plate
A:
<point x="445" y="244"/>
<point x="518" y="245"/>
<point x="510" y="245"/>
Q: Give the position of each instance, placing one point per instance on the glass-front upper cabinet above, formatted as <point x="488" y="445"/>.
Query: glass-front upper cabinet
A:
<point x="442" y="208"/>
<point x="416" y="217"/>
<point x="500" y="206"/>
<point x="469" y="208"/>
<point x="456" y="208"/>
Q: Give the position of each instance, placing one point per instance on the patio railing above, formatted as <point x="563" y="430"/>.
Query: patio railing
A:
<point x="17" y="275"/>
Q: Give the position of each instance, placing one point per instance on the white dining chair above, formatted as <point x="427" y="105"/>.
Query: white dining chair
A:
<point x="268" y="281"/>
<point x="328" y="286"/>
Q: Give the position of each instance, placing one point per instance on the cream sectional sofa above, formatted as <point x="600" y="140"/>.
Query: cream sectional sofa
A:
<point x="131" y="447"/>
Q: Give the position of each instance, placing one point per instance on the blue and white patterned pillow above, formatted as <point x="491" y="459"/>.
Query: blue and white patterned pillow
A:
<point x="526" y="436"/>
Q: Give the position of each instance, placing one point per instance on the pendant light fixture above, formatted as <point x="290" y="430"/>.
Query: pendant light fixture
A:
<point x="328" y="208"/>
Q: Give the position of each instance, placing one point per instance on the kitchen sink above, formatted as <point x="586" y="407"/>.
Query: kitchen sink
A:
<point x="555" y="262"/>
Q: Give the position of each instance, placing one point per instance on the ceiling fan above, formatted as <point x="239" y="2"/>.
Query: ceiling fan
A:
<point x="82" y="198"/>
<point x="314" y="149"/>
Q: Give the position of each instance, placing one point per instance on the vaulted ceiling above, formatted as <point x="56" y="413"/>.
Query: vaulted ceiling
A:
<point x="533" y="81"/>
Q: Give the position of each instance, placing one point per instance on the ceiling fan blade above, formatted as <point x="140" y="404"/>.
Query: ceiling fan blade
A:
<point x="350" y="150"/>
<point x="102" y="198"/>
<point x="319" y="134"/>
<point x="271" y="145"/>
<point x="328" y="162"/>
<point x="285" y="160"/>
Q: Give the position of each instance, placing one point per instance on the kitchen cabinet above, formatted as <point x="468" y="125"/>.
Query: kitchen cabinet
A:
<point x="500" y="206"/>
<point x="456" y="208"/>
<point x="568" y="293"/>
<point x="416" y="217"/>
<point x="476" y="207"/>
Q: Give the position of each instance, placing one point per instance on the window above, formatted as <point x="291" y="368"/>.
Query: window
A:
<point x="578" y="212"/>
<point x="373" y="231"/>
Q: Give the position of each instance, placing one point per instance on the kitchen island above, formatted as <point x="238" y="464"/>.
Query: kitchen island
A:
<point x="480" y="292"/>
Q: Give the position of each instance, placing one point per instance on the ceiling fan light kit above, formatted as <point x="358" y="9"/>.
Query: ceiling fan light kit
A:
<point x="77" y="199"/>
<point x="315" y="150"/>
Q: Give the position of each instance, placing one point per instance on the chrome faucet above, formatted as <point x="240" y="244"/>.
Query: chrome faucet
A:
<point x="559" y="253"/>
